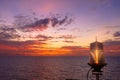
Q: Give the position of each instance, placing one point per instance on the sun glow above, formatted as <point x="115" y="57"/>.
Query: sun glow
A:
<point x="96" y="56"/>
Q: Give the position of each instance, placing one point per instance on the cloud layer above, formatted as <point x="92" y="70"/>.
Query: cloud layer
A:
<point x="26" y="24"/>
<point x="116" y="34"/>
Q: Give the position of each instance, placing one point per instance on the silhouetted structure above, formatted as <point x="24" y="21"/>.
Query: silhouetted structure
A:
<point x="97" y="61"/>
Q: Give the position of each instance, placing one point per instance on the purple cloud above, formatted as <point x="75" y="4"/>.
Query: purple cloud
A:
<point x="116" y="34"/>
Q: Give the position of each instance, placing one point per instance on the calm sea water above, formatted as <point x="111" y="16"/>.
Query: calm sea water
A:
<point x="54" y="68"/>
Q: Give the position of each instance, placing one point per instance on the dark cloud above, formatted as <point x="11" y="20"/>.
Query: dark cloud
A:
<point x="43" y="37"/>
<point x="17" y="47"/>
<point x="22" y="20"/>
<point x="42" y="24"/>
<point x="112" y="47"/>
<point x="67" y="36"/>
<point x="68" y="41"/>
<point x="8" y="33"/>
<point x="116" y="34"/>
<point x="21" y="44"/>
<point x="27" y="24"/>
<point x="55" y="21"/>
<point x="111" y="42"/>
<point x="17" y="43"/>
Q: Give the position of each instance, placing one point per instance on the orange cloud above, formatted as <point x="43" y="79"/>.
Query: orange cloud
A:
<point x="77" y="50"/>
<point x="112" y="50"/>
<point x="6" y="47"/>
<point x="37" y="48"/>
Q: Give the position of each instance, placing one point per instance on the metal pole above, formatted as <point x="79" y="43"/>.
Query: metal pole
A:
<point x="97" y="77"/>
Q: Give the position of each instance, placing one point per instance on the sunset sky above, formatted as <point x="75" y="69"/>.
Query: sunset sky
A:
<point x="58" y="27"/>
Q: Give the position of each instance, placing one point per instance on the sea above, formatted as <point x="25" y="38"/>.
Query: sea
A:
<point x="55" y="68"/>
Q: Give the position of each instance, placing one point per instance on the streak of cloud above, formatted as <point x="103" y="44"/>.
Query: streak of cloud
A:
<point x="8" y="33"/>
<point x="116" y="34"/>
<point x="111" y="42"/>
<point x="43" y="24"/>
